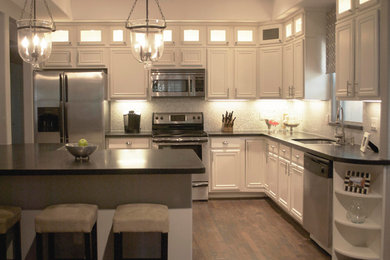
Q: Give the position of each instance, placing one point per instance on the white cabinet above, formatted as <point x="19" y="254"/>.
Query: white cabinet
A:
<point x="344" y="58"/>
<point x="357" y="56"/>
<point x="127" y="143"/>
<point x="345" y="8"/>
<point x="128" y="78"/>
<point x="296" y="191"/>
<point x="226" y="65"/>
<point x="182" y="57"/>
<point x="293" y="70"/>
<point x="218" y="72"/>
<point x="60" y="57"/>
<point x="245" y="36"/>
<point x="255" y="159"/>
<point x="270" y="72"/>
<point x="192" y="35"/>
<point x="367" y="55"/>
<point x="218" y="35"/>
<point x="225" y="170"/>
<point x="271" y="34"/>
<point x="90" y="57"/>
<point x="283" y="183"/>
<point x="245" y="73"/>
<point x="272" y="176"/>
<point x="366" y="240"/>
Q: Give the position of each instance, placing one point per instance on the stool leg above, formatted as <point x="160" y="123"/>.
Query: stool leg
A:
<point x="87" y="244"/>
<point x="118" y="244"/>
<point x="51" y="246"/>
<point x="94" y="242"/>
<point x="39" y="248"/>
<point x="3" y="246"/>
<point x="164" y="246"/>
<point x="17" y="242"/>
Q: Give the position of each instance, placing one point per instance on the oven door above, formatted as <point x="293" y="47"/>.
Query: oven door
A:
<point x="200" y="182"/>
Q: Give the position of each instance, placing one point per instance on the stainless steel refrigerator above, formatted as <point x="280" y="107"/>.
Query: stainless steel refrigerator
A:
<point x="69" y="105"/>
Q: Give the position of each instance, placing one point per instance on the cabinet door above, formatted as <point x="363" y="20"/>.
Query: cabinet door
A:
<point x="218" y="72"/>
<point x="59" y="58"/>
<point x="192" y="57"/>
<point x="298" y="86"/>
<point x="296" y="192"/>
<point x="283" y="183"/>
<point x="167" y="59"/>
<point x="270" y="71"/>
<point x="225" y="170"/>
<point x="90" y="57"/>
<point x="344" y="8"/>
<point x="255" y="161"/>
<point x="127" y="76"/>
<point x="245" y="73"/>
<point x="272" y="176"/>
<point x="344" y="59"/>
<point x="288" y="70"/>
<point x="367" y="55"/>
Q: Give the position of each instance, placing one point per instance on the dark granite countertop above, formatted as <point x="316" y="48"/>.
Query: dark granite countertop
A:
<point x="334" y="152"/>
<point x="51" y="159"/>
<point x="124" y="134"/>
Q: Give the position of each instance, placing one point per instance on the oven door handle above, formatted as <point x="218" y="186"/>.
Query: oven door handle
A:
<point x="178" y="143"/>
<point x="200" y="184"/>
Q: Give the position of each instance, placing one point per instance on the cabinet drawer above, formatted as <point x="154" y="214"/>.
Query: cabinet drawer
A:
<point x="273" y="147"/>
<point x="285" y="151"/>
<point x="297" y="157"/>
<point x="128" y="143"/>
<point x="225" y="143"/>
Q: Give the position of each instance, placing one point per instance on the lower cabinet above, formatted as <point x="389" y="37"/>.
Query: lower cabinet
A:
<point x="296" y="191"/>
<point x="237" y="164"/>
<point x="283" y="183"/>
<point x="225" y="170"/>
<point x="127" y="143"/>
<point x="272" y="176"/>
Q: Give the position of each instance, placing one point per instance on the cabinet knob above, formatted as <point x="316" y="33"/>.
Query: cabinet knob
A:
<point x="225" y="142"/>
<point x="297" y="156"/>
<point x="273" y="146"/>
<point x="128" y="143"/>
<point x="283" y="150"/>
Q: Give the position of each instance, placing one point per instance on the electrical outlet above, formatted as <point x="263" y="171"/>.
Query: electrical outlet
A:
<point x="374" y="124"/>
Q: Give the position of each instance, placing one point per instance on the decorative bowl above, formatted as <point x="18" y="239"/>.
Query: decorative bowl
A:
<point x="80" y="152"/>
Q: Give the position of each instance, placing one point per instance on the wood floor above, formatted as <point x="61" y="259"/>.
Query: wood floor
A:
<point x="249" y="229"/>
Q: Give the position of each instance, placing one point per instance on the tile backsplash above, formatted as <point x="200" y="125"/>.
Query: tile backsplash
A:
<point x="313" y="115"/>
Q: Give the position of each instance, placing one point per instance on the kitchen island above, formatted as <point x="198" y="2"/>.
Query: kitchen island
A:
<point x="34" y="176"/>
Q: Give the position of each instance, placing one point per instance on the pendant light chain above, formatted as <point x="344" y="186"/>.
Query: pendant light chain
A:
<point x="32" y="13"/>
<point x="51" y="16"/>
<point x="158" y="5"/>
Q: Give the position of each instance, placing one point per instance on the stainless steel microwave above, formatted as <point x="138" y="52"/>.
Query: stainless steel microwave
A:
<point x="177" y="82"/>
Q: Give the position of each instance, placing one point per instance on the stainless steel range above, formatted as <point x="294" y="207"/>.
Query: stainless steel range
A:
<point x="184" y="131"/>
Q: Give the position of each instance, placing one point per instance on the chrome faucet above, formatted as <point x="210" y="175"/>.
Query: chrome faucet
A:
<point x="340" y="137"/>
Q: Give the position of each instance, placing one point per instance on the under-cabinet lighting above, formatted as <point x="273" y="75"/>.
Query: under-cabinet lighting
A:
<point x="372" y="101"/>
<point x="228" y="100"/>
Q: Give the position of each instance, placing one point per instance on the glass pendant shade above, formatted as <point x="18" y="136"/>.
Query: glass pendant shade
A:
<point x="34" y="40"/>
<point x="147" y="42"/>
<point x="146" y="36"/>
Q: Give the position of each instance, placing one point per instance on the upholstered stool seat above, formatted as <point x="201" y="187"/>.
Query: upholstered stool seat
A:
<point x="10" y="226"/>
<point x="141" y="218"/>
<point x="67" y="218"/>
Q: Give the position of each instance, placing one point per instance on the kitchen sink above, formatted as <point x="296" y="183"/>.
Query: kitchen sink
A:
<point x="315" y="141"/>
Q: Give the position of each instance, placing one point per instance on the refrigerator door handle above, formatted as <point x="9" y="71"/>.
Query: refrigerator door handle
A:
<point x="66" y="110"/>
<point x="61" y="119"/>
<point x="66" y="88"/>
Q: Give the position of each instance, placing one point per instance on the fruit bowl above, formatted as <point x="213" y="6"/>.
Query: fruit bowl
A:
<point x="80" y="152"/>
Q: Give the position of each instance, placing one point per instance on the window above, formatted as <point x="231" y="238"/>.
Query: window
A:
<point x="352" y="110"/>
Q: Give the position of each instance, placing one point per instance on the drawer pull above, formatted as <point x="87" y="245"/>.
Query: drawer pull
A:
<point x="225" y="142"/>
<point x="297" y="156"/>
<point x="283" y="150"/>
<point x="129" y="143"/>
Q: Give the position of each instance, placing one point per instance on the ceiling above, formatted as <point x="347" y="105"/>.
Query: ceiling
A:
<point x="228" y="10"/>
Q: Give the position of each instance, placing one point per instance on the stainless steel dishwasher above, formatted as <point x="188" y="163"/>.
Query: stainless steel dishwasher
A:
<point x="317" y="199"/>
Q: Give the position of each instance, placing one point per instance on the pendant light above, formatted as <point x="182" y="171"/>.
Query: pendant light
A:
<point x="146" y="36"/>
<point x="34" y="35"/>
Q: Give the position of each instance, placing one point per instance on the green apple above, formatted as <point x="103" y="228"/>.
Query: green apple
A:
<point x="83" y="142"/>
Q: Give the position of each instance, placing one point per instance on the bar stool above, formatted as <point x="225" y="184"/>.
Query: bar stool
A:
<point x="67" y="218"/>
<point x="10" y="228"/>
<point x="140" y="218"/>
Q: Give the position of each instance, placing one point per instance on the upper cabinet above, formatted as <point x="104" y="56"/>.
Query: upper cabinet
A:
<point x="270" y="71"/>
<point x="357" y="69"/>
<point x="218" y="35"/>
<point x="192" y="35"/>
<point x="245" y="36"/>
<point x="270" y="34"/>
<point x="288" y="30"/>
<point x="119" y="36"/>
<point x="346" y="8"/>
<point x="91" y="35"/>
